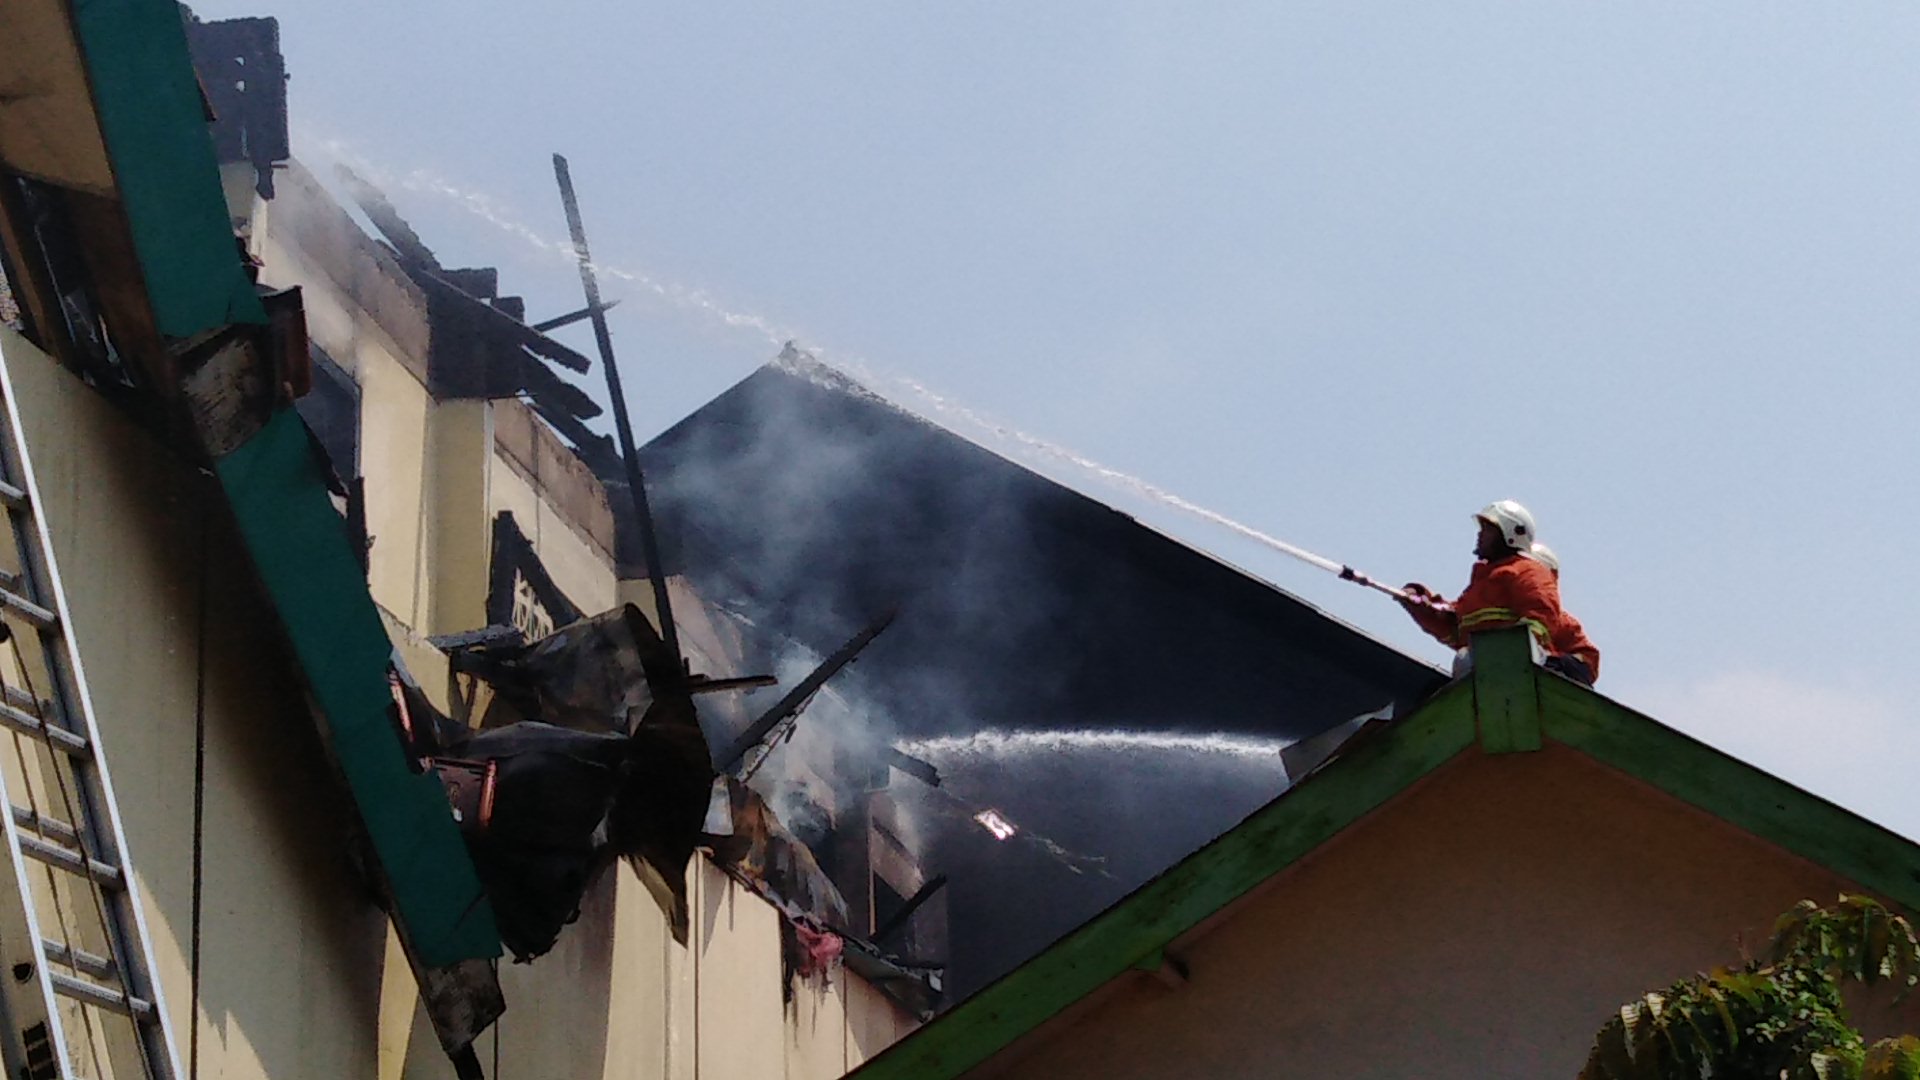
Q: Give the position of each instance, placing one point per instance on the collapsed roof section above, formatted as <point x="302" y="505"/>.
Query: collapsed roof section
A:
<point x="481" y="346"/>
<point x="244" y="78"/>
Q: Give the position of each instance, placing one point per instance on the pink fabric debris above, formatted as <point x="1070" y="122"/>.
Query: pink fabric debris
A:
<point x="819" y="949"/>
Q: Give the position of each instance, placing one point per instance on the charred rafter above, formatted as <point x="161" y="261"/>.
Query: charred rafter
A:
<point x="802" y="692"/>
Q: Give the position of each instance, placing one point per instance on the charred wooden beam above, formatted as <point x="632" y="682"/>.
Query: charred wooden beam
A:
<point x="802" y="692"/>
<point x="922" y="771"/>
<point x="702" y="684"/>
<point x="476" y="286"/>
<point x="899" y="918"/>
<point x="495" y="320"/>
<point x="623" y="426"/>
<point x="572" y="317"/>
<point x="412" y="250"/>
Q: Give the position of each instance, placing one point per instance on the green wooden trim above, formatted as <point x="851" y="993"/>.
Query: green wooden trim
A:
<point x="151" y="116"/>
<point x="148" y="101"/>
<point x="1733" y="791"/>
<point x="1153" y="961"/>
<point x="301" y="550"/>
<point x="1134" y="930"/>
<point x="1506" y="691"/>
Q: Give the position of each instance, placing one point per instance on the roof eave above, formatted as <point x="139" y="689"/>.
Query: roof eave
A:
<point x="1272" y="838"/>
<point x="1508" y="705"/>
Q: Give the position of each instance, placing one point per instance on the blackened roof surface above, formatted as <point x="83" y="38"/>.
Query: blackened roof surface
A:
<point x="807" y="506"/>
<point x="810" y="506"/>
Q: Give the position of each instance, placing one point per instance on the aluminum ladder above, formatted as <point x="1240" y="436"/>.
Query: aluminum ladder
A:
<point x="76" y="972"/>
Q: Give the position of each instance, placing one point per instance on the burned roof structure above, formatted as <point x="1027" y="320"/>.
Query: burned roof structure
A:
<point x="481" y="346"/>
<point x="1098" y="659"/>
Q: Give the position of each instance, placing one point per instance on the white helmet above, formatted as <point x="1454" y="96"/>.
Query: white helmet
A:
<point x="1513" y="521"/>
<point x="1544" y="555"/>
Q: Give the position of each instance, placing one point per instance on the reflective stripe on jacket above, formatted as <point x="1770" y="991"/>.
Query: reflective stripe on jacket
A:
<point x="1509" y="591"/>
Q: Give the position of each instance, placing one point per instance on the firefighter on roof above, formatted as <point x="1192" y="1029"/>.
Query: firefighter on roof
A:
<point x="1507" y="588"/>
<point x="1573" y="653"/>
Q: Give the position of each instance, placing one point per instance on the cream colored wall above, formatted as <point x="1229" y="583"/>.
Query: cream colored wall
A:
<point x="619" y="999"/>
<point x="874" y="1022"/>
<point x="736" y="979"/>
<point x="578" y="567"/>
<point x="396" y="435"/>
<point x="1482" y="925"/>
<point x="461" y="521"/>
<point x="291" y="949"/>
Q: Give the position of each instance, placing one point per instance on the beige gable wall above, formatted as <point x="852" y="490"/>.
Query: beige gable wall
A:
<point x="1482" y="925"/>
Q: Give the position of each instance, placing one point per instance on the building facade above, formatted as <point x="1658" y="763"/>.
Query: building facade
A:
<point x="279" y="931"/>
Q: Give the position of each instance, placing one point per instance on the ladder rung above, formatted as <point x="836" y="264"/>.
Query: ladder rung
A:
<point x="104" y="997"/>
<point x="100" y="967"/>
<point x="21" y="698"/>
<point x="35" y="615"/>
<point x="51" y="828"/>
<point x="15" y="498"/>
<point x="66" y="858"/>
<point x="32" y="726"/>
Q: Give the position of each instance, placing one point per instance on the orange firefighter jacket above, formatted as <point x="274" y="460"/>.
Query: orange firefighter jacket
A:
<point x="1570" y="639"/>
<point x="1509" y="591"/>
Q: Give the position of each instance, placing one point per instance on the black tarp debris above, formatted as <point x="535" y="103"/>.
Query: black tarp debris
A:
<point x="604" y="760"/>
<point x="547" y="836"/>
<point x="593" y="674"/>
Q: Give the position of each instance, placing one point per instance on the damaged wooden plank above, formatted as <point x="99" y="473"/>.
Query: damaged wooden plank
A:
<point x="151" y="116"/>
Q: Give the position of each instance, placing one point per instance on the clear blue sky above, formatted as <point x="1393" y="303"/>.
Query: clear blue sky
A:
<point x="1344" y="272"/>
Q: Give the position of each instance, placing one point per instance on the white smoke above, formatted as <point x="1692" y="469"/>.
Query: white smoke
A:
<point x="904" y="389"/>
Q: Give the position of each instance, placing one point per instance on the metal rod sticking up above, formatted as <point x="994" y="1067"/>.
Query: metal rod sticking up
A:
<point x="597" y="312"/>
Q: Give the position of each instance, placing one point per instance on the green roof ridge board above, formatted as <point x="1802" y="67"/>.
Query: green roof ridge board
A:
<point x="1519" y="705"/>
<point x="149" y="105"/>
<point x="1732" y="790"/>
<point x="151" y="115"/>
<point x="1509" y="705"/>
<point x="1133" y="930"/>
